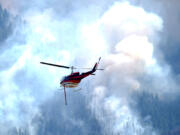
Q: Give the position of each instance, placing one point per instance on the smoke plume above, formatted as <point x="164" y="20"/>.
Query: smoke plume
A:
<point x="69" y="33"/>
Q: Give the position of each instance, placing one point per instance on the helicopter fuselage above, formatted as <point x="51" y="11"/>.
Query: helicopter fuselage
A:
<point x="74" y="79"/>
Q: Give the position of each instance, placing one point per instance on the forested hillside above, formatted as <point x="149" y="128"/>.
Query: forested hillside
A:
<point x="163" y="115"/>
<point x="5" y="24"/>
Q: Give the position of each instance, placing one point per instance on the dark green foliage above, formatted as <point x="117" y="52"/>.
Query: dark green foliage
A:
<point x="5" y="24"/>
<point x="57" y="119"/>
<point x="164" y="115"/>
<point x="75" y="118"/>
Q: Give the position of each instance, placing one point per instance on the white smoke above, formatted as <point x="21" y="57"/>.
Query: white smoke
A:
<point x="124" y="36"/>
<point x="129" y="34"/>
<point x="25" y="85"/>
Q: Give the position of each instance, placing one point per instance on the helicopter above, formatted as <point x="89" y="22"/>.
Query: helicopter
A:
<point x="72" y="80"/>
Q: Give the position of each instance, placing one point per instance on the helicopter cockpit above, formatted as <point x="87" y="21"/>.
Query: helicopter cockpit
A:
<point x="63" y="78"/>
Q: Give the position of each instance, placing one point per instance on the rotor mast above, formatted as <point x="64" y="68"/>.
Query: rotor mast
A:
<point x="72" y="67"/>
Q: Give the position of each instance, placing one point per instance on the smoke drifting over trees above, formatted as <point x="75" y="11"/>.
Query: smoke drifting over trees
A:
<point x="128" y="36"/>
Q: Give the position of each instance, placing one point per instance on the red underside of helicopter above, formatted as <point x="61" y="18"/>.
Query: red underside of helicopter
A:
<point x="72" y="80"/>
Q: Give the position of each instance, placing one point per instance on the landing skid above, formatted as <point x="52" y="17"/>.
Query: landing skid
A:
<point x="74" y="90"/>
<point x="64" y="88"/>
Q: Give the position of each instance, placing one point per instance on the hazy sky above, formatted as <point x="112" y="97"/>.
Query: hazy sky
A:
<point x="138" y="42"/>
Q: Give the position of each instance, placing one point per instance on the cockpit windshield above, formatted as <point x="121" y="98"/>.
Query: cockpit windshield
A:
<point x="63" y="78"/>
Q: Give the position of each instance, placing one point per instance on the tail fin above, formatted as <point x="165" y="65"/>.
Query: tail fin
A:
<point x="96" y="65"/>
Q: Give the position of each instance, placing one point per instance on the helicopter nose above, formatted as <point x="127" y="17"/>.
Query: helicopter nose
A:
<point x="61" y="82"/>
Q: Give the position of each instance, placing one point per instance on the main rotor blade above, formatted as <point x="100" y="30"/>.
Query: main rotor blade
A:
<point x="50" y="64"/>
